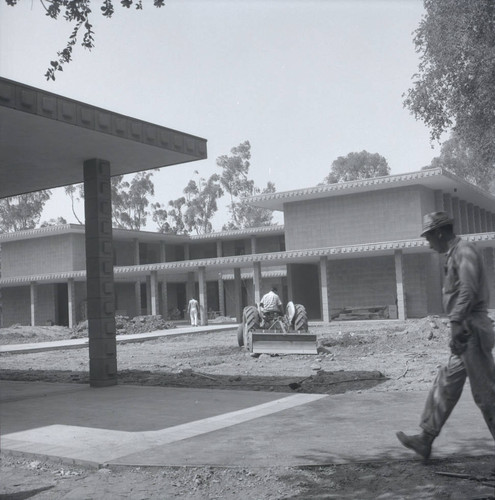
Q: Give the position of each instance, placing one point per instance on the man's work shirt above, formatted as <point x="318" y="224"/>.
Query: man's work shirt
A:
<point x="465" y="288"/>
<point x="271" y="302"/>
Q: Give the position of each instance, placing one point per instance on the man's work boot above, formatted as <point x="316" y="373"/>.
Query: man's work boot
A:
<point x="420" y="443"/>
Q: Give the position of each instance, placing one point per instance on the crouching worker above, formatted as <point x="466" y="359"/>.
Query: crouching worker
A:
<point x="465" y="300"/>
<point x="270" y="306"/>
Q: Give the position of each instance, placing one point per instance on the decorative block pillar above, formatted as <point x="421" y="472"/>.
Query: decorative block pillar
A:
<point x="324" y="292"/>
<point x="99" y="274"/>
<point x="203" y="297"/>
<point x="399" y="279"/>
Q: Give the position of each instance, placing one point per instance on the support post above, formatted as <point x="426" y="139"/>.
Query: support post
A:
<point x="254" y="248"/>
<point x="148" y="295"/>
<point x="164" y="290"/>
<point x="163" y="252"/>
<point x="33" y="292"/>
<point x="221" y="295"/>
<point x="477" y="219"/>
<point x="99" y="274"/>
<point x="190" y="286"/>
<point x="154" y="292"/>
<point x="456" y="214"/>
<point x="470" y="218"/>
<point x="203" y="297"/>
<point x="137" y="295"/>
<point x="238" y="294"/>
<point x="464" y="226"/>
<point x="257" y="281"/>
<point x="399" y="278"/>
<point x="325" y="298"/>
<point x="71" y="296"/>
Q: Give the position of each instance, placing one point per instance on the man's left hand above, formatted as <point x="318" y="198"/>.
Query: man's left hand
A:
<point x="458" y="338"/>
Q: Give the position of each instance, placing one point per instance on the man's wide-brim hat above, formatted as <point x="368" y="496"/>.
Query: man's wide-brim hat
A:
<point x="435" y="220"/>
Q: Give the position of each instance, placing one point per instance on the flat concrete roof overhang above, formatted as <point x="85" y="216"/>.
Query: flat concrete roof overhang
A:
<point x="45" y="138"/>
<point x="432" y="178"/>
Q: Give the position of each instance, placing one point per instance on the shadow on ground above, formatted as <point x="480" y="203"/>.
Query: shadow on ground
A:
<point x="322" y="382"/>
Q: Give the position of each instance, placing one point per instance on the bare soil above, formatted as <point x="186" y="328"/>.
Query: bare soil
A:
<point x="360" y="356"/>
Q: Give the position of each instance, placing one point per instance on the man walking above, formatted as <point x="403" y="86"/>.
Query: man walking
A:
<point x="193" y="310"/>
<point x="465" y="300"/>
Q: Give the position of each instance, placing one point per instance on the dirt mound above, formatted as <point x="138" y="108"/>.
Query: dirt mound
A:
<point x="129" y="326"/>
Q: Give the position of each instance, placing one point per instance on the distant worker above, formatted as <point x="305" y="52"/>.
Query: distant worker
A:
<point x="193" y="310"/>
<point x="465" y="300"/>
<point x="271" y="302"/>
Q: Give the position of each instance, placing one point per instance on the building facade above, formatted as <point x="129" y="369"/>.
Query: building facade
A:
<point x="354" y="244"/>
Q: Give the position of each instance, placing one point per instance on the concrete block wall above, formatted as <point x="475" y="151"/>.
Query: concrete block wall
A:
<point x="38" y="255"/>
<point x="385" y="215"/>
<point x="16" y="305"/>
<point x="78" y="252"/>
<point x="267" y="244"/>
<point x="364" y="282"/>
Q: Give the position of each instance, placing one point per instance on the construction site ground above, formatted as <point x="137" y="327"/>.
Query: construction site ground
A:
<point x="372" y="358"/>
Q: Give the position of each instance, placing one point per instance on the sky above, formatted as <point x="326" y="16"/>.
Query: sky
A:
<point x="305" y="81"/>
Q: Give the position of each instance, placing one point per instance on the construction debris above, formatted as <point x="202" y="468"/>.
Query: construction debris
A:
<point x="128" y="326"/>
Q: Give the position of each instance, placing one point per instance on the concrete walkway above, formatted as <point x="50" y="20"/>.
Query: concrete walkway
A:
<point x="153" y="426"/>
<point x="121" y="339"/>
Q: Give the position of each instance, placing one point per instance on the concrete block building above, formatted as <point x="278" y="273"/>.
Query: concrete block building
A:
<point x="354" y="244"/>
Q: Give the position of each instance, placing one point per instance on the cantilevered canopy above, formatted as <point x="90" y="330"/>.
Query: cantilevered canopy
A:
<point x="45" y="138"/>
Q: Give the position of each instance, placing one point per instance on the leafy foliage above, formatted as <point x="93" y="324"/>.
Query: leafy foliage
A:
<point x="79" y="12"/>
<point x="130" y="200"/>
<point x="53" y="222"/>
<point x="464" y="162"/>
<point x="455" y="85"/>
<point x="23" y="211"/>
<point x="357" y="166"/>
<point x="201" y="203"/>
<point x="234" y="179"/>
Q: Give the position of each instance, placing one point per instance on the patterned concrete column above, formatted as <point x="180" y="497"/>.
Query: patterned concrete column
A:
<point x="464" y="227"/>
<point x="164" y="305"/>
<point x="99" y="274"/>
<point x="477" y="219"/>
<point x="254" y="248"/>
<point x="447" y="204"/>
<point x="238" y="294"/>
<point x="325" y="298"/>
<point x="163" y="252"/>
<point x="203" y="297"/>
<point x="71" y="296"/>
<point x="399" y="278"/>
<point x="470" y="218"/>
<point x="439" y="207"/>
<point x="483" y="221"/>
<point x="221" y="295"/>
<point x="148" y="295"/>
<point x="33" y="292"/>
<point x="456" y="214"/>
<point x="154" y="293"/>
<point x="257" y="281"/>
<point x="137" y="295"/>
<point x="219" y="248"/>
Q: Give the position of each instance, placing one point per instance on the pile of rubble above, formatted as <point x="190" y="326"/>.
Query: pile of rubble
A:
<point x="127" y="326"/>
